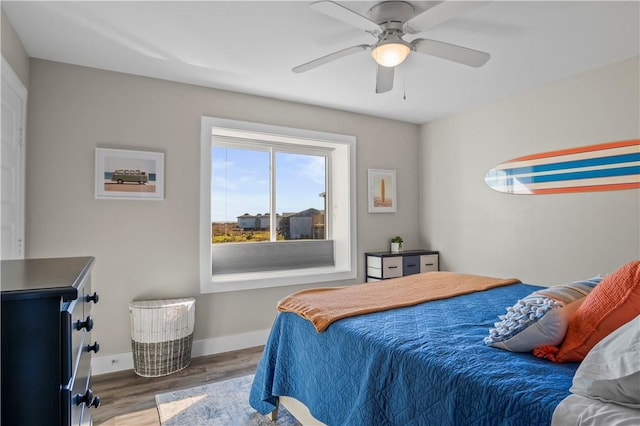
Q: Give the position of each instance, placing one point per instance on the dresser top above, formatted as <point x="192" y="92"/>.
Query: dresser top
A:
<point x="35" y="278"/>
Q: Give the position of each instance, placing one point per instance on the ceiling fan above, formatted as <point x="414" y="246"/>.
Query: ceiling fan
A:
<point x="389" y="21"/>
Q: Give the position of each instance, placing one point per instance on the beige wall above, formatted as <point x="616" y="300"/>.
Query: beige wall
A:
<point x="544" y="239"/>
<point x="440" y="166"/>
<point x="149" y="249"/>
<point x="13" y="50"/>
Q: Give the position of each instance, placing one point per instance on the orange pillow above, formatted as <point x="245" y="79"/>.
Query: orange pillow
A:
<point x="614" y="302"/>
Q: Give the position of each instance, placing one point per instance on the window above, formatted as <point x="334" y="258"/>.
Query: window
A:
<point x="246" y="178"/>
<point x="277" y="206"/>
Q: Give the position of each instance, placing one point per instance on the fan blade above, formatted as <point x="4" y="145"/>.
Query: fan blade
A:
<point x="330" y="57"/>
<point x="343" y="14"/>
<point x="384" y="79"/>
<point x="438" y="14"/>
<point x="451" y="52"/>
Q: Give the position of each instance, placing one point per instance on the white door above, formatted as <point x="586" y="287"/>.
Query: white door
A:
<point x="12" y="163"/>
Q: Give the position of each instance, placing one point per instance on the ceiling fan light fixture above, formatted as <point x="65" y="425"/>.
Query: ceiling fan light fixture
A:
<point x="391" y="53"/>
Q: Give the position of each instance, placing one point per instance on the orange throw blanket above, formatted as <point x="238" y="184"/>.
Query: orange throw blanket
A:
<point x="323" y="306"/>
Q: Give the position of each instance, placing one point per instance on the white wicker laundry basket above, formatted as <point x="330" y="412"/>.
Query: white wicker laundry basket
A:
<point x="161" y="335"/>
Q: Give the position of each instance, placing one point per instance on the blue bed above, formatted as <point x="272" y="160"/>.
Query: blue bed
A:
<point x="422" y="365"/>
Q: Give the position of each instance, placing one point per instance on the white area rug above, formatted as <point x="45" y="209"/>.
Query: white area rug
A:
<point x="217" y="404"/>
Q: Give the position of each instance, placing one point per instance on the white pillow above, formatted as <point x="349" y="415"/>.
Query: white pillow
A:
<point x="541" y="318"/>
<point x="611" y="370"/>
<point x="531" y="323"/>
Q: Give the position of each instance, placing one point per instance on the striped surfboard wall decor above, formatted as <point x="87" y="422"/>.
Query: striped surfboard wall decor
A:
<point x="603" y="167"/>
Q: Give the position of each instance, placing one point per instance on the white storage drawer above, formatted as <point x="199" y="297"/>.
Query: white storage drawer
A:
<point x="428" y="263"/>
<point x="391" y="267"/>
<point x="384" y="267"/>
<point x="374" y="262"/>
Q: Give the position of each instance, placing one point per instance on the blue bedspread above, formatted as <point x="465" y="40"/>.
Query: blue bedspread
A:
<point x="422" y="365"/>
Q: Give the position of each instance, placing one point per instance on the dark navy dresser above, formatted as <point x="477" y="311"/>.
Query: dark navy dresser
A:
<point x="46" y="342"/>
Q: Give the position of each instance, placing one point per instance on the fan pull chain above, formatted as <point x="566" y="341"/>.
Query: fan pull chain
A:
<point x="404" y="84"/>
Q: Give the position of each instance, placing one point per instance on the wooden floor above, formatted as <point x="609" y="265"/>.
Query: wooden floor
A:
<point x="128" y="399"/>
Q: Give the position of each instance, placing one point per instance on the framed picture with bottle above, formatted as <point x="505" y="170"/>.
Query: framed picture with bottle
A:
<point x="382" y="191"/>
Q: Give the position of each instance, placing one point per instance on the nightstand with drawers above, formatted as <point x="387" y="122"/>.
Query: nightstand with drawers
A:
<point x="383" y="265"/>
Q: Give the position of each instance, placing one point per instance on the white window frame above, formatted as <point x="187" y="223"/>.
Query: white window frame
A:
<point x="341" y="205"/>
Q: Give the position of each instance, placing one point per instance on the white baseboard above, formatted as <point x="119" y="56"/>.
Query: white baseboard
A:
<point x="217" y="345"/>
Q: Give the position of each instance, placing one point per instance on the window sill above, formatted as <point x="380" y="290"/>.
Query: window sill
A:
<point x="257" y="280"/>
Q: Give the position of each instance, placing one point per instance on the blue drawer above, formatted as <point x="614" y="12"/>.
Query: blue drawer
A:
<point x="410" y="265"/>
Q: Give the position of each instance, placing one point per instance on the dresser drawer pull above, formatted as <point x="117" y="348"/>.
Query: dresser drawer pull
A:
<point x="428" y="264"/>
<point x="96" y="402"/>
<point x="93" y="298"/>
<point x="392" y="267"/>
<point x="88" y="324"/>
<point x="411" y="266"/>
<point x="86" y="399"/>
<point x="95" y="347"/>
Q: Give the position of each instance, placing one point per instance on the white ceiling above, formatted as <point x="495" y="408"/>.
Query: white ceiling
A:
<point x="251" y="46"/>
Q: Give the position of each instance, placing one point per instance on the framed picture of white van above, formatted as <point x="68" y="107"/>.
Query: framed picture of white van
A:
<point x="128" y="174"/>
<point x="382" y="191"/>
